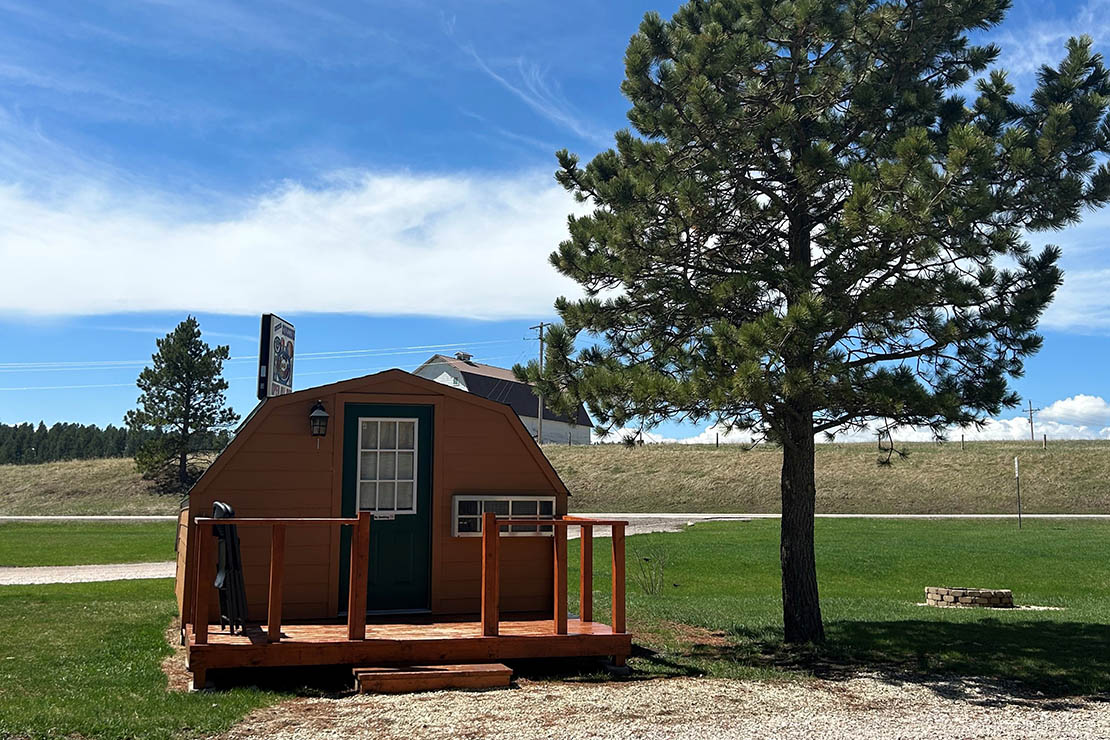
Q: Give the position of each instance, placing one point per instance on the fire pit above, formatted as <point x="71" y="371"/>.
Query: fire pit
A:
<point x="993" y="598"/>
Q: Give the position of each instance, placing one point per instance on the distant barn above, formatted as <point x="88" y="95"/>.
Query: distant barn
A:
<point x="499" y="384"/>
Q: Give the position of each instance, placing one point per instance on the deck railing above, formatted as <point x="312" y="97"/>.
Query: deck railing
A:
<point x="204" y="562"/>
<point x="203" y="567"/>
<point x="491" y="578"/>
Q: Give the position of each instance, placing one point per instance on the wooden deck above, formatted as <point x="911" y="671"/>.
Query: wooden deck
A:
<point x="403" y="644"/>
<point x="360" y="641"/>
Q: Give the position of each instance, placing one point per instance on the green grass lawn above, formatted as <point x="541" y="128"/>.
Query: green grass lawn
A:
<point x="723" y="579"/>
<point x="80" y="543"/>
<point x="84" y="659"/>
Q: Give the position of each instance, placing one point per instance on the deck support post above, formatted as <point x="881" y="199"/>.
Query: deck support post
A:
<point x="277" y="574"/>
<point x="586" y="575"/>
<point x="560" y="536"/>
<point x="356" y="589"/>
<point x="203" y="584"/>
<point x="491" y="580"/>
<point x="619" y="626"/>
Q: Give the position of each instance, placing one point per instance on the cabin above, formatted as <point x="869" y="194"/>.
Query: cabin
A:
<point x="390" y="520"/>
<point x="501" y="385"/>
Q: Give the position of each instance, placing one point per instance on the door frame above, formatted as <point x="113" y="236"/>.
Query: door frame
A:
<point x="424" y="463"/>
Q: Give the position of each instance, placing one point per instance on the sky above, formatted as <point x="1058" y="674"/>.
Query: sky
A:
<point x="378" y="173"/>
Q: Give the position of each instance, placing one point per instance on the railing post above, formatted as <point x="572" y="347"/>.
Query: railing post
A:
<point x="491" y="580"/>
<point x="586" y="575"/>
<point x="203" y="584"/>
<point x="356" y="589"/>
<point x="618" y="579"/>
<point x="277" y="573"/>
<point x="560" y="533"/>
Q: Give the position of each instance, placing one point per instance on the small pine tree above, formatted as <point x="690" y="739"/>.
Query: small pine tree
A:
<point x="183" y="403"/>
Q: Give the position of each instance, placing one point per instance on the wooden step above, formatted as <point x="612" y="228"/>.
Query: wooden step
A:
<point x="405" y="679"/>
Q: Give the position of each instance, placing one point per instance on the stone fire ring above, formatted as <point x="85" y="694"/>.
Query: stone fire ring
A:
<point x="993" y="598"/>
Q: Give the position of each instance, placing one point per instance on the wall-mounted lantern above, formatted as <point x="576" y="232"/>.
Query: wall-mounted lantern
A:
<point x="318" y="420"/>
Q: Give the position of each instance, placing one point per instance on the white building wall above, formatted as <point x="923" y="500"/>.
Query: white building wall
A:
<point x="558" y="432"/>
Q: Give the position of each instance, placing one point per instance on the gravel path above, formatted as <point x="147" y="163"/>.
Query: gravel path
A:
<point x="13" y="576"/>
<point x="689" y="708"/>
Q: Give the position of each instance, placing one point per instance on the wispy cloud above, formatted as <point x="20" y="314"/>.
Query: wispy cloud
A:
<point x="532" y="86"/>
<point x="1038" y="39"/>
<point x="466" y="245"/>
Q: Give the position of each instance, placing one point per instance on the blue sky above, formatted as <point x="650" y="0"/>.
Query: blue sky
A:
<point x="378" y="173"/>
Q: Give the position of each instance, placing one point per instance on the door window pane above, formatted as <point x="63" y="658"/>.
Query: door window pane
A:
<point x="387" y="465"/>
<point x="406" y="435"/>
<point x="404" y="466"/>
<point x="369" y="435"/>
<point x="369" y="466"/>
<point x="388" y="438"/>
<point x="404" y="496"/>
<point x="367" y="496"/>
<point x="386" y="497"/>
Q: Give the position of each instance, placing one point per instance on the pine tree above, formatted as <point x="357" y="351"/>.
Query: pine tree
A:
<point x="183" y="403"/>
<point x="812" y="228"/>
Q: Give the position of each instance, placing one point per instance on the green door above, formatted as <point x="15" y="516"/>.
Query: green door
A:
<point x="387" y="470"/>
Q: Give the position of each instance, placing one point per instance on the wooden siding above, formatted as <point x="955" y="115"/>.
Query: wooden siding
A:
<point x="275" y="468"/>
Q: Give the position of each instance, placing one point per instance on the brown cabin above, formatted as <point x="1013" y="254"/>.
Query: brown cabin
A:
<point x="350" y="538"/>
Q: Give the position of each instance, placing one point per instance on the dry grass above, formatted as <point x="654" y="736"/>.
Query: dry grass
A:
<point x="1068" y="477"/>
<point x="109" y="486"/>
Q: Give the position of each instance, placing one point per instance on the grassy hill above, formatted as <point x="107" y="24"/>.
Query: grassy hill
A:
<point x="1068" y="477"/>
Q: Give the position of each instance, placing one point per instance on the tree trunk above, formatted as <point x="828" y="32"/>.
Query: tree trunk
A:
<point x="801" y="609"/>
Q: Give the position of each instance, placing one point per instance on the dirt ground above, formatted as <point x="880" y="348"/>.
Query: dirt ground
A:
<point x="861" y="707"/>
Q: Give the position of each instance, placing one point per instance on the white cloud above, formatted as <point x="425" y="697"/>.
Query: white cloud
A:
<point x="1080" y="409"/>
<point x="1078" y="417"/>
<point x="447" y="245"/>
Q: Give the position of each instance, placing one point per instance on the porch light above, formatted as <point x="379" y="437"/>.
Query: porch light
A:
<point x="318" y="420"/>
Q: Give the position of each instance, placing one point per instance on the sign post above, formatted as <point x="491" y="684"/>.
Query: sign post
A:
<point x="275" y="357"/>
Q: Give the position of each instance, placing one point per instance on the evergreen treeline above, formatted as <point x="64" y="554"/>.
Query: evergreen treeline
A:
<point x="27" y="443"/>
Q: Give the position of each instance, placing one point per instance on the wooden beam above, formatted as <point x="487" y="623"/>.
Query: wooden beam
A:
<point x="619" y="626"/>
<point x="258" y="521"/>
<point x="356" y="589"/>
<point x="586" y="575"/>
<point x="560" y="537"/>
<point x="277" y="574"/>
<point x="203" y="585"/>
<point x="491" y="578"/>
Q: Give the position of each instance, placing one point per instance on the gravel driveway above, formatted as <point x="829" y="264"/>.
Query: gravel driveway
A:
<point x="694" y="708"/>
<point x="16" y="576"/>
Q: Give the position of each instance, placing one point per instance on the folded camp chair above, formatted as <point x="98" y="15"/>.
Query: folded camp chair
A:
<point x="229" y="572"/>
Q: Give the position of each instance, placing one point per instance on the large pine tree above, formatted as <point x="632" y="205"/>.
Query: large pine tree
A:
<point x="183" y="407"/>
<point x="818" y="222"/>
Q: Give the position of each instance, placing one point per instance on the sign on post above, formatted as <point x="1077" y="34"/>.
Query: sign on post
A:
<point x="275" y="357"/>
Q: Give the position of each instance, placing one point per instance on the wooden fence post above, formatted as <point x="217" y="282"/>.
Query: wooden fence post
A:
<point x="560" y="559"/>
<point x="203" y="585"/>
<point x="586" y="575"/>
<point x="356" y="589"/>
<point x="277" y="576"/>
<point x="618" y="579"/>
<point x="491" y="579"/>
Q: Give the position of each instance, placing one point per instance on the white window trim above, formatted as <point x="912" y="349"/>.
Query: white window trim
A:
<point x="415" y="466"/>
<point x="456" y="498"/>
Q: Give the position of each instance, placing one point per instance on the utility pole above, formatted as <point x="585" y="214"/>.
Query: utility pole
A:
<point x="1032" y="437"/>
<point x="539" y="415"/>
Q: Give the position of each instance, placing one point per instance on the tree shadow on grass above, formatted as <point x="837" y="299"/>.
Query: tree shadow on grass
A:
<point x="989" y="661"/>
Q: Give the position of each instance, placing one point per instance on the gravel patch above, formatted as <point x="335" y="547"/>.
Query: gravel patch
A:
<point x="39" y="574"/>
<point x="863" y="707"/>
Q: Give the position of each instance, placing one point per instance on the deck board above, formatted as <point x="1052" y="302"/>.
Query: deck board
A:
<point x="428" y="641"/>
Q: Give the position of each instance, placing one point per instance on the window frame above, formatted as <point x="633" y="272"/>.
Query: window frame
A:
<point x="415" y="466"/>
<point x="457" y="498"/>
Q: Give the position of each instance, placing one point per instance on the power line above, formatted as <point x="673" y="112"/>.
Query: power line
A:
<point x="57" y="366"/>
<point x="236" y="379"/>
